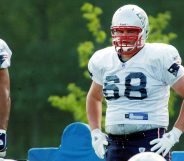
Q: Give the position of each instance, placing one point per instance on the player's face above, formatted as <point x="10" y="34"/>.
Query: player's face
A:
<point x="126" y="40"/>
<point x="128" y="37"/>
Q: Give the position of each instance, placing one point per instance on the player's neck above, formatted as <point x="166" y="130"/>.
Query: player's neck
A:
<point x="128" y="55"/>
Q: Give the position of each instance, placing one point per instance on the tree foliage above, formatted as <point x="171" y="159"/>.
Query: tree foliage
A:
<point x="157" y="27"/>
<point x="75" y="100"/>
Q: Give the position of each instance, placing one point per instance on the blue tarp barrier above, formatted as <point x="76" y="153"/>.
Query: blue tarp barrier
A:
<point x="178" y="156"/>
<point x="76" y="146"/>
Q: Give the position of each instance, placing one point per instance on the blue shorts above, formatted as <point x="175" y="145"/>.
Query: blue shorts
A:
<point x="123" y="147"/>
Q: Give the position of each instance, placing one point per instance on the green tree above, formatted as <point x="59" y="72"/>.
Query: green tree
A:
<point x="75" y="100"/>
<point x="36" y="32"/>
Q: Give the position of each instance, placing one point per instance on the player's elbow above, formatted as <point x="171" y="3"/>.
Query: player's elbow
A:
<point x="92" y="98"/>
<point x="89" y="100"/>
<point x="92" y="101"/>
<point x="5" y="94"/>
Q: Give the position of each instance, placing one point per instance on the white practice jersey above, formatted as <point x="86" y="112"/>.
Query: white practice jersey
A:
<point x="137" y="91"/>
<point x="5" y="55"/>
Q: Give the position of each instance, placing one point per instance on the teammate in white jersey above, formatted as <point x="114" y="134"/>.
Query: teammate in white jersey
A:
<point x="5" y="55"/>
<point x="135" y="78"/>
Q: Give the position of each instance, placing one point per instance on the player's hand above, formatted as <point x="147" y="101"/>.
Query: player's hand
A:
<point x="164" y="144"/>
<point x="3" y="144"/>
<point x="99" y="142"/>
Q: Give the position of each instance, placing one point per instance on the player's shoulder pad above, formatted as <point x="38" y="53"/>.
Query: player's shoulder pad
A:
<point x="102" y="54"/>
<point x="2" y="43"/>
<point x="161" y="50"/>
<point x="4" y="46"/>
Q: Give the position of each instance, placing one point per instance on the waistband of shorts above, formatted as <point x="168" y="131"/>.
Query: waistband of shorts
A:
<point x="137" y="135"/>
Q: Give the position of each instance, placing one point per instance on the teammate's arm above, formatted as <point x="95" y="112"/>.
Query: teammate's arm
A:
<point x="4" y="98"/>
<point x="4" y="108"/>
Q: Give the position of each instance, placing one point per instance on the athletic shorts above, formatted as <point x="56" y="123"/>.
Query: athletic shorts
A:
<point x="123" y="147"/>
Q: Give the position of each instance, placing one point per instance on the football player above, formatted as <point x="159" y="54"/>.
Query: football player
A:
<point x="147" y="156"/>
<point x="5" y="55"/>
<point x="135" y="78"/>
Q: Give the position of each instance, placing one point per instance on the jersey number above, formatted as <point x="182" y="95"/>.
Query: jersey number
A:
<point x="111" y="90"/>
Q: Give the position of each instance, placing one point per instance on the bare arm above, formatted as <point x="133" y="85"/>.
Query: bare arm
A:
<point x="179" y="88"/>
<point x="4" y="98"/>
<point x="94" y="105"/>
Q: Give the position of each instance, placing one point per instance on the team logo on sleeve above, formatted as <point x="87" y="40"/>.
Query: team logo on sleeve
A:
<point x="174" y="69"/>
<point x="2" y="58"/>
